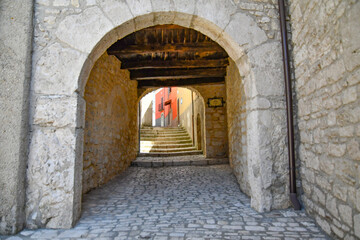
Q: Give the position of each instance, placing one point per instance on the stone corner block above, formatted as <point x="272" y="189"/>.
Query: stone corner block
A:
<point x="57" y="70"/>
<point x="117" y="11"/>
<point x="245" y="31"/>
<point x="50" y="198"/>
<point x="217" y="12"/>
<point x="84" y="31"/>
<point x="267" y="68"/>
<point x="55" y="111"/>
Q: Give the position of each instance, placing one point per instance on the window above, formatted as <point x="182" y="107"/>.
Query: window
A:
<point x="161" y="105"/>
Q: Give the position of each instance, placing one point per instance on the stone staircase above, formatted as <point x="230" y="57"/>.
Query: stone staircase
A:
<point x="166" y="141"/>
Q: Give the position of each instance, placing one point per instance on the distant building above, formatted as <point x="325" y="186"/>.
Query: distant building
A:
<point x="166" y="109"/>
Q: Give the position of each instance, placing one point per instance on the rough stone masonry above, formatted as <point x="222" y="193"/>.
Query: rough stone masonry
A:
<point x="69" y="36"/>
<point x="326" y="41"/>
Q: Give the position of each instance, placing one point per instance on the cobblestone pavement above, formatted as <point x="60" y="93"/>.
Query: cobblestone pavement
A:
<point x="187" y="202"/>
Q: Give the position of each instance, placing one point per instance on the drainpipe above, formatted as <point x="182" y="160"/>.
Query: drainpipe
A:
<point x="289" y="108"/>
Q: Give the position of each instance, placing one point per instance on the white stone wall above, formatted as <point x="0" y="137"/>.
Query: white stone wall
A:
<point x="146" y="106"/>
<point x="326" y="49"/>
<point x="266" y="150"/>
<point x="241" y="113"/>
<point x="71" y="35"/>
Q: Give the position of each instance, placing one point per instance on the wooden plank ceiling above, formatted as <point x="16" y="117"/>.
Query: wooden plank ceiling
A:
<point x="170" y="55"/>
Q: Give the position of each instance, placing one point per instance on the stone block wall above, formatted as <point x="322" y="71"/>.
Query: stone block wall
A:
<point x="326" y="50"/>
<point x="70" y="36"/>
<point x="236" y="120"/>
<point x="199" y="111"/>
<point x="215" y="121"/>
<point x="242" y="113"/>
<point x="111" y="126"/>
<point x="264" y="102"/>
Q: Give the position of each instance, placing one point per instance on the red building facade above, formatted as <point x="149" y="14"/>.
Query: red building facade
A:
<point x="166" y="109"/>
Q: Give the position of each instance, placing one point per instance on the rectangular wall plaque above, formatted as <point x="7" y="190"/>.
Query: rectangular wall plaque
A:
<point x="215" y="102"/>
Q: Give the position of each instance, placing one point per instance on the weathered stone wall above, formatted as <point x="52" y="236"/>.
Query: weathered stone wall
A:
<point x="241" y="110"/>
<point x="236" y="120"/>
<point x="266" y="150"/>
<point x="70" y="36"/>
<point x="199" y="110"/>
<point x="111" y="127"/>
<point x="326" y="40"/>
<point x="216" y="140"/>
<point x="15" y="72"/>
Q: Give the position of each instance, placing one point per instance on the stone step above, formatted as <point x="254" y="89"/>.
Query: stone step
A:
<point x="162" y="129"/>
<point x="164" y="134"/>
<point x="164" y="138"/>
<point x="155" y="142"/>
<point x="165" y="141"/>
<point x="164" y="145"/>
<point x="165" y="154"/>
<point x="188" y="160"/>
<point x="179" y="149"/>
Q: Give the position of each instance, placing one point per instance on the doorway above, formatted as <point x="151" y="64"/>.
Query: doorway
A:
<point x="162" y="120"/>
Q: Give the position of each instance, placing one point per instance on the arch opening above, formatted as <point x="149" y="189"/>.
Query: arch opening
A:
<point x="255" y="125"/>
<point x="174" y="135"/>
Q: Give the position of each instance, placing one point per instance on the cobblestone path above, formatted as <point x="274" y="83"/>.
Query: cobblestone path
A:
<point x="185" y="202"/>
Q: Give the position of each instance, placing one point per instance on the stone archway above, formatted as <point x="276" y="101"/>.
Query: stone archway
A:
<point x="62" y="66"/>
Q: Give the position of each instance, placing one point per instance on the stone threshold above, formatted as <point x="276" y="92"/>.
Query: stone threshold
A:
<point x="191" y="160"/>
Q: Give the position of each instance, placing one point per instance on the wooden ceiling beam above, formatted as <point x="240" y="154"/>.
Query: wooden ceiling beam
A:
<point x="146" y="74"/>
<point x="200" y="47"/>
<point x="179" y="82"/>
<point x="157" y="64"/>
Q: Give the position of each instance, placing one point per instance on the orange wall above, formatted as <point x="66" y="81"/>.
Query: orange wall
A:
<point x="164" y="93"/>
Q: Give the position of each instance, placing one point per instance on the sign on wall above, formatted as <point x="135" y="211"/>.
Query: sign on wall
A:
<point x="216" y="102"/>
